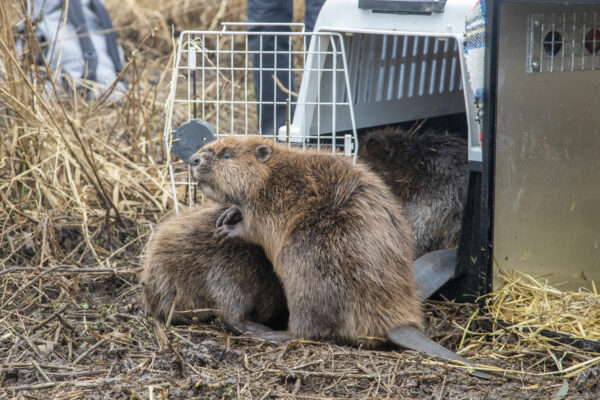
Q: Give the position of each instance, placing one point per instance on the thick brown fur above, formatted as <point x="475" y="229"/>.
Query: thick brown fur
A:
<point x="333" y="231"/>
<point x="428" y="173"/>
<point x="185" y="263"/>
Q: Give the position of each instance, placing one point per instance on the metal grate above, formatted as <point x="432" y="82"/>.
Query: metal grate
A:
<point x="396" y="78"/>
<point x="560" y="42"/>
<point x="213" y="80"/>
<point x="402" y="67"/>
<point x="393" y="78"/>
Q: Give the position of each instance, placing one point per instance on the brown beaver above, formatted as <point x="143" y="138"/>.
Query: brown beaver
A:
<point x="333" y="231"/>
<point x="428" y="174"/>
<point x="185" y="263"/>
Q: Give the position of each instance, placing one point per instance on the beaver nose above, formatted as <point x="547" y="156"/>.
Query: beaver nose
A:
<point x="196" y="159"/>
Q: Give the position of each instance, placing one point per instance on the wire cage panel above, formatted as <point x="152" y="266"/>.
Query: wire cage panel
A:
<point x="244" y="82"/>
<point x="563" y="41"/>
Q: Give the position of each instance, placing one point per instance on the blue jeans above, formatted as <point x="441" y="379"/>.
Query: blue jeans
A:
<point x="271" y="118"/>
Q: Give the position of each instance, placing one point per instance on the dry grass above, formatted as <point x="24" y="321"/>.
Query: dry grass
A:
<point x="82" y="183"/>
<point x="525" y="301"/>
<point x="527" y="317"/>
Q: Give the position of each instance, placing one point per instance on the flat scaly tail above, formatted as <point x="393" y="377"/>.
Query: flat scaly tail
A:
<point x="412" y="338"/>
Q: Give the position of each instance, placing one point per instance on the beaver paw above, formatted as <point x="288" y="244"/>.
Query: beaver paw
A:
<point x="231" y="216"/>
<point x="245" y="327"/>
<point x="225" y="232"/>
<point x="275" y="336"/>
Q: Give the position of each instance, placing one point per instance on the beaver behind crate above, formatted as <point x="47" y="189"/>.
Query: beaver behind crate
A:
<point x="428" y="173"/>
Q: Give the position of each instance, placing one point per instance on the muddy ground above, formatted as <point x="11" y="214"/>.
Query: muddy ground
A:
<point x="92" y="339"/>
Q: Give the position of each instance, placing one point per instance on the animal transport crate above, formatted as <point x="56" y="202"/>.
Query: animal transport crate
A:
<point x="372" y="63"/>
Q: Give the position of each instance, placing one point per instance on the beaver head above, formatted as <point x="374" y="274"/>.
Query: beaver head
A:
<point x="230" y="169"/>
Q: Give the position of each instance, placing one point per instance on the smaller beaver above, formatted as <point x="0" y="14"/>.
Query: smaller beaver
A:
<point x="428" y="174"/>
<point x="185" y="264"/>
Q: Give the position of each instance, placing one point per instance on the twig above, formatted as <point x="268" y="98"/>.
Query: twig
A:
<point x="64" y="268"/>
<point x="76" y="374"/>
<point x="335" y="374"/>
<point x="218" y="16"/>
<point x="186" y="341"/>
<point x="35" y="387"/>
<point x="171" y="312"/>
<point x="65" y="323"/>
<point x="181" y="358"/>
<point x="297" y="386"/>
<point x="50" y="318"/>
<point x="29" y="365"/>
<point x="283" y="88"/>
<point x="35" y="364"/>
<point x="82" y="384"/>
<point x="34" y="280"/>
<point x="89" y="351"/>
<point x="441" y="390"/>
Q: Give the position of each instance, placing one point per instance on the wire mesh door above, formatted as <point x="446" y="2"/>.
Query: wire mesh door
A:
<point x="247" y="82"/>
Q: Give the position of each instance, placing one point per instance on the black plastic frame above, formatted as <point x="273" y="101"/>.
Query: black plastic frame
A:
<point x="474" y="265"/>
<point x="474" y="262"/>
<point x="403" y="6"/>
<point x="489" y="145"/>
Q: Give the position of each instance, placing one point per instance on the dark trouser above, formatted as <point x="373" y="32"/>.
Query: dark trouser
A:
<point x="270" y="116"/>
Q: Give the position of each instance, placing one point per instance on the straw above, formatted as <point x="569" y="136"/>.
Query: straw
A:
<point x="525" y="301"/>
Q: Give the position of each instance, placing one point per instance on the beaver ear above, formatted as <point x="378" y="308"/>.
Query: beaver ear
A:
<point x="263" y="153"/>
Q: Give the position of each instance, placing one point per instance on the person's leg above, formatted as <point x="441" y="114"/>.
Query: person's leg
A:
<point x="270" y="116"/>
<point x="311" y="11"/>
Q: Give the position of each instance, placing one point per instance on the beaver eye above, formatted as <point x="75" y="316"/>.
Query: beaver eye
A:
<point x="227" y="155"/>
